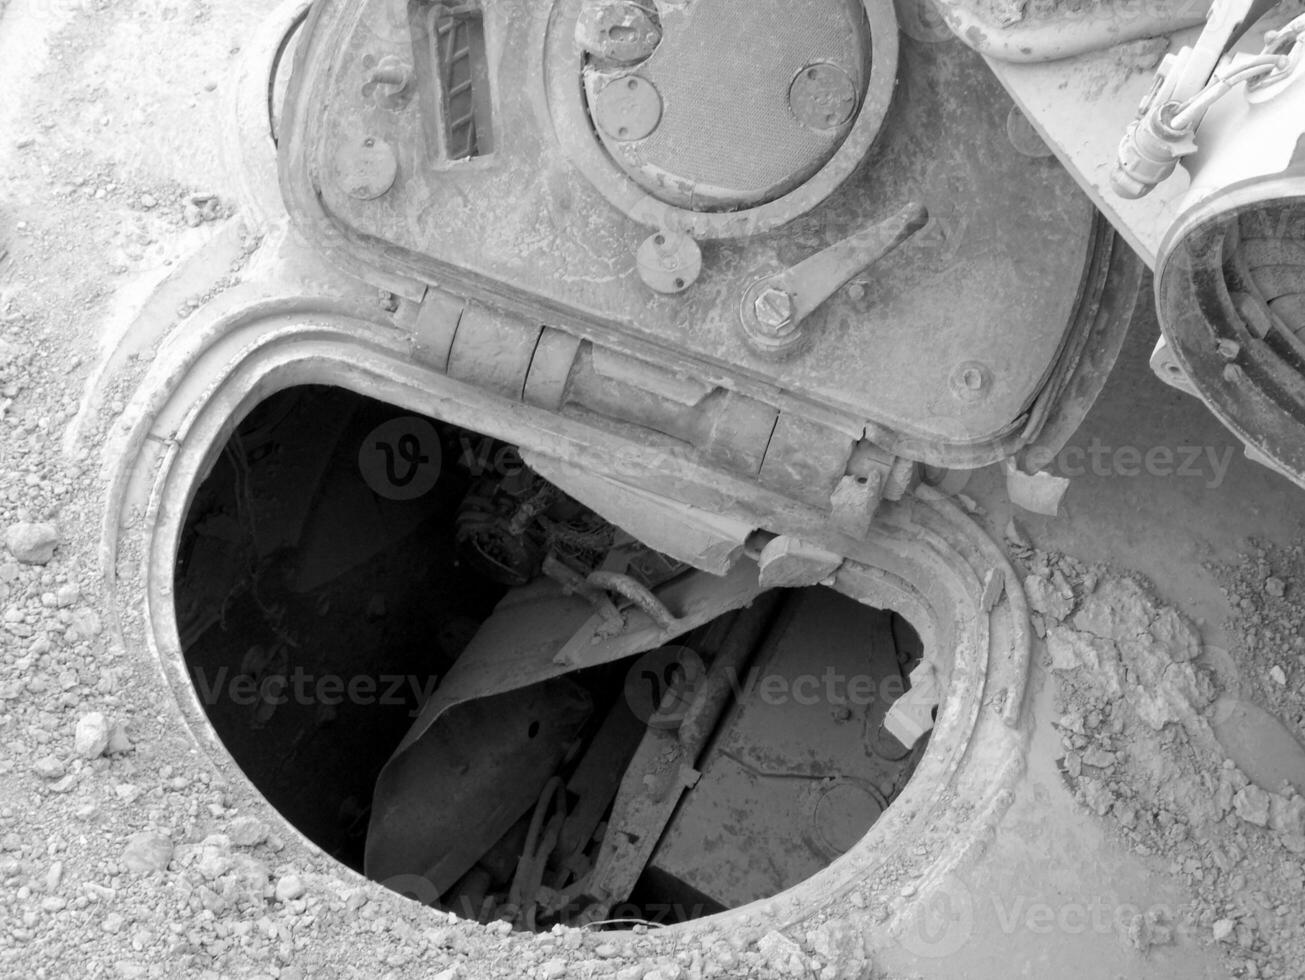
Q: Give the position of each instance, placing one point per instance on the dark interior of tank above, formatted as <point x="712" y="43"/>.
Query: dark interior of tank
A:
<point x="341" y="555"/>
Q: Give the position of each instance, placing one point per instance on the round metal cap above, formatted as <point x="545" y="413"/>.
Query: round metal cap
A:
<point x="742" y="102"/>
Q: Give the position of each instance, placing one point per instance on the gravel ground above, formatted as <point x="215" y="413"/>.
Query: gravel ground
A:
<point x="1138" y="693"/>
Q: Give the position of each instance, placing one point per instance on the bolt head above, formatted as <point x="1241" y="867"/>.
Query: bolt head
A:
<point x="970" y="381"/>
<point x="773" y="308"/>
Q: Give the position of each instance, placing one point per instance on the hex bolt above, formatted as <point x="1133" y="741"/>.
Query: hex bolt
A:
<point x="774" y="310"/>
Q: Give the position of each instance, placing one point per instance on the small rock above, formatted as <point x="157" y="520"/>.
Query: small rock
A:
<point x="48" y="767"/>
<point x="1098" y="758"/>
<point x="1275" y="586"/>
<point x="1278" y="675"/>
<point x="1252" y="805"/>
<point x="92" y="735"/>
<point x="553" y="969"/>
<point x="289" y="887"/>
<point x="147" y="852"/>
<point x="1222" y="930"/>
<point x="119" y="743"/>
<point x="1287" y="815"/>
<point x="214" y="856"/>
<point x="1047" y="600"/>
<point x="86" y="621"/>
<point x="32" y="544"/>
<point x="247" y="831"/>
<point x="778" y="949"/>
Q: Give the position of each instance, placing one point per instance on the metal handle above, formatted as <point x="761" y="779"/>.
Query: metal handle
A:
<point x="774" y="306"/>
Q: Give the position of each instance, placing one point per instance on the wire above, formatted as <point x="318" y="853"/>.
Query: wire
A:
<point x="1191" y="112"/>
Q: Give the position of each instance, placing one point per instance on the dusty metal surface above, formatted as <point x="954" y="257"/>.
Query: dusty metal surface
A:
<point x="793" y="779"/>
<point x="1002" y="258"/>
<point x="1017" y="31"/>
<point x="1081" y="106"/>
<point x="1228" y="295"/>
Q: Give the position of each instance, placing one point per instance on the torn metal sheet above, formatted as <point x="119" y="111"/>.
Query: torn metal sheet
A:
<point x="1039" y="493"/>
<point x="441" y="805"/>
<point x="518" y="650"/>
<point x="788" y="563"/>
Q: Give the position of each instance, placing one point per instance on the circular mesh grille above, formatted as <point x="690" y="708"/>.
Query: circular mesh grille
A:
<point x="727" y="137"/>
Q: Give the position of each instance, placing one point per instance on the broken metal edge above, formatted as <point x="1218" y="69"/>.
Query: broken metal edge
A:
<point x="923" y="558"/>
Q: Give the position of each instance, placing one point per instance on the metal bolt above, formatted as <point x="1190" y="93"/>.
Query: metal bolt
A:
<point x="969" y="380"/>
<point x="390" y="75"/>
<point x="774" y="309"/>
<point x="389" y="83"/>
<point x="1228" y="349"/>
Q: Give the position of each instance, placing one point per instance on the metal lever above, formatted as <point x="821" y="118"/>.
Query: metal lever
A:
<point x="774" y="306"/>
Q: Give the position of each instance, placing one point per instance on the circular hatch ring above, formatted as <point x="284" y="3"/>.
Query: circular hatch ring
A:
<point x="574" y="129"/>
<point x="924" y="558"/>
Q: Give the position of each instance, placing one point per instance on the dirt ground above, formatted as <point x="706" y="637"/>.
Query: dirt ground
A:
<point x="1167" y="590"/>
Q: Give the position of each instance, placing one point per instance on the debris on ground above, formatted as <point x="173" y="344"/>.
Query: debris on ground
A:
<point x="1136" y="696"/>
<point x="1268" y="627"/>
